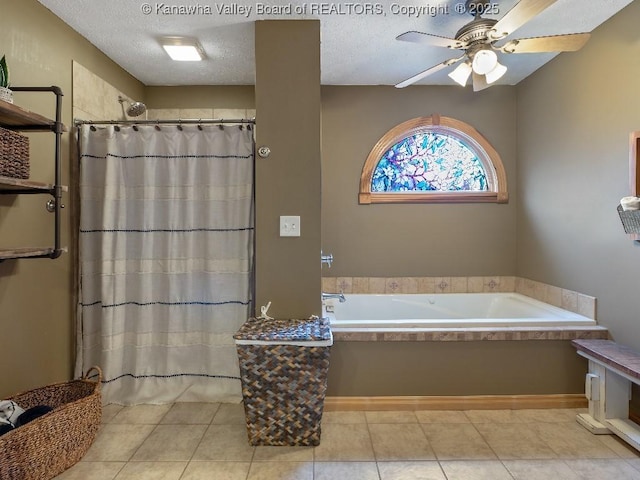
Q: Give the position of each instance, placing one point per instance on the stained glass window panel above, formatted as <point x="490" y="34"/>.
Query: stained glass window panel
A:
<point x="429" y="161"/>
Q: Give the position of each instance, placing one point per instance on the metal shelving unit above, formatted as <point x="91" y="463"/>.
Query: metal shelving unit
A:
<point x="13" y="117"/>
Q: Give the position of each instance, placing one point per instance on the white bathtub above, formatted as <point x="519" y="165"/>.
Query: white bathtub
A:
<point x="420" y="312"/>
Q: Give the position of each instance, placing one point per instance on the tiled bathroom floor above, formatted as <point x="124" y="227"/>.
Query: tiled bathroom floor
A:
<point x="196" y="441"/>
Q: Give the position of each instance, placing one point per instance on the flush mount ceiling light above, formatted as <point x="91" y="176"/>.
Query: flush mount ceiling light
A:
<point x="478" y="42"/>
<point x="183" y="49"/>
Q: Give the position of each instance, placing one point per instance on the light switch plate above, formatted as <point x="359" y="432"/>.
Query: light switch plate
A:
<point x="289" y="226"/>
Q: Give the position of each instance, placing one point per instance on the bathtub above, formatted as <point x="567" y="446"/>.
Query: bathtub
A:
<point x="448" y="311"/>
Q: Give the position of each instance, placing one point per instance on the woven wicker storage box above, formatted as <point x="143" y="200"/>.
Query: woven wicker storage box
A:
<point x="630" y="220"/>
<point x="284" y="366"/>
<point x="14" y="154"/>
<point x="47" y="446"/>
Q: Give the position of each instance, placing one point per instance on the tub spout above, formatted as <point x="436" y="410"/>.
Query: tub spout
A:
<point x="339" y="296"/>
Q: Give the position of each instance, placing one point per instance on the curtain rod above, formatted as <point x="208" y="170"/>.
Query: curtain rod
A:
<point x="165" y="122"/>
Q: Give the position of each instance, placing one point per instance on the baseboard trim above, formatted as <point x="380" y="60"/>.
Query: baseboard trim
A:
<point x="473" y="402"/>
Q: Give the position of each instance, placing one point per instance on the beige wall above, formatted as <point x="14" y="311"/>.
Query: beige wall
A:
<point x="574" y="120"/>
<point x="288" y="181"/>
<point x="400" y="240"/>
<point x="36" y="294"/>
<point x="455" y="368"/>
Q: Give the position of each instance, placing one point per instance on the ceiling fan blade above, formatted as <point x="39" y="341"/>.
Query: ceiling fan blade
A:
<point x="554" y="43"/>
<point x="428" y="71"/>
<point x="479" y="82"/>
<point x="435" y="40"/>
<point x="524" y="11"/>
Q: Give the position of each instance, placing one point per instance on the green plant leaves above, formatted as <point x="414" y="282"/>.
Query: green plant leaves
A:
<point x="4" y="72"/>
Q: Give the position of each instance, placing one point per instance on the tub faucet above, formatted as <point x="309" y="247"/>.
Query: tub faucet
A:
<point x="339" y="296"/>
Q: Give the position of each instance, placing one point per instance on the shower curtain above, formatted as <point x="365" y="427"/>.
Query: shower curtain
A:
<point x="166" y="258"/>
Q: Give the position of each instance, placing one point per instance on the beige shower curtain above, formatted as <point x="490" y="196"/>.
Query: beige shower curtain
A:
<point x="166" y="242"/>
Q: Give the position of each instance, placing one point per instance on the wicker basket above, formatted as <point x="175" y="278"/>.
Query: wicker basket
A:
<point x="630" y="220"/>
<point x="284" y="384"/>
<point x="47" y="446"/>
<point x="14" y="154"/>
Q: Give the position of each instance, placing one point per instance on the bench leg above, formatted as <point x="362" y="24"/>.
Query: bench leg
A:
<point x="617" y="409"/>
<point x="609" y="392"/>
<point x="595" y="391"/>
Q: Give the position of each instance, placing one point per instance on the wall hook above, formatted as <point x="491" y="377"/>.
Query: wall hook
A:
<point x="51" y="205"/>
<point x="264" y="152"/>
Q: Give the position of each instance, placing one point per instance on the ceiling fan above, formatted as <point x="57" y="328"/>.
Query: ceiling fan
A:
<point x="478" y="40"/>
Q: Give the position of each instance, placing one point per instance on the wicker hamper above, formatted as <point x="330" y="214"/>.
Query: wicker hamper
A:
<point x="14" y="154"/>
<point x="283" y="367"/>
<point x="50" y="444"/>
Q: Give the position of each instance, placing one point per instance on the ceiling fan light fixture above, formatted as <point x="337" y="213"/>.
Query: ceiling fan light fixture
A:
<point x="182" y="49"/>
<point x="484" y="61"/>
<point x="478" y="37"/>
<point x="496" y="74"/>
<point x="461" y="74"/>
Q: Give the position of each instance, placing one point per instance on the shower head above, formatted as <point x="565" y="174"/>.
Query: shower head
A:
<point x="135" y="108"/>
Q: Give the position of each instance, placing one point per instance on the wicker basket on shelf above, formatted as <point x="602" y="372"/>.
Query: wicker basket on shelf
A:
<point x="50" y="444"/>
<point x="630" y="220"/>
<point x="14" y="154"/>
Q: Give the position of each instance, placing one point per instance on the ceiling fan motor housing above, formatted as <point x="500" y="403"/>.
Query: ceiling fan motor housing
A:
<point x="475" y="34"/>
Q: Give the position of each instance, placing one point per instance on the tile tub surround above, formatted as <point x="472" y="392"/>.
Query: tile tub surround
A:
<point x="556" y="296"/>
<point x="356" y="445"/>
<point x="566" y="299"/>
<point x="477" y="335"/>
<point x="94" y="98"/>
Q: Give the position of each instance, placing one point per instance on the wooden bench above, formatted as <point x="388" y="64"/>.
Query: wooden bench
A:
<point x="612" y="370"/>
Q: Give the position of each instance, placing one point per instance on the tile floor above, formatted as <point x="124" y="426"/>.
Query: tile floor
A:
<point x="195" y="441"/>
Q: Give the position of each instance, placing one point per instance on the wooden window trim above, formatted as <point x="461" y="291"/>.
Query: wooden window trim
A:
<point x="489" y="157"/>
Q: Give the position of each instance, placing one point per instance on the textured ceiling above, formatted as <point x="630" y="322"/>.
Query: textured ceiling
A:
<point x="357" y="48"/>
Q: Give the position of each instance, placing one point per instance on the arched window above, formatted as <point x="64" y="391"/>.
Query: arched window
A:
<point x="433" y="159"/>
